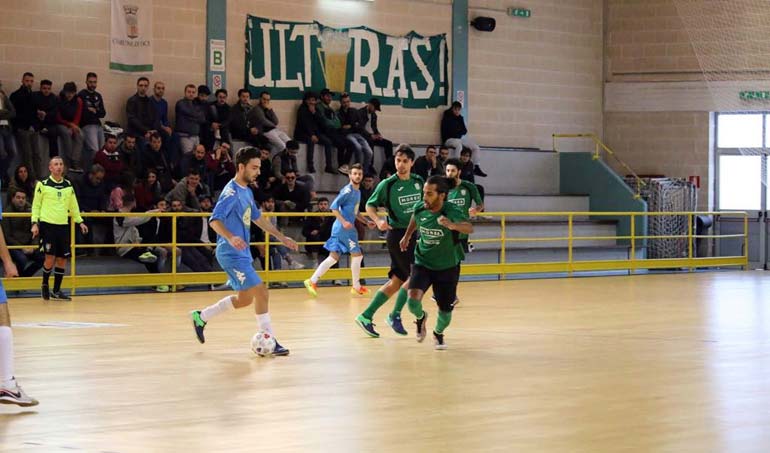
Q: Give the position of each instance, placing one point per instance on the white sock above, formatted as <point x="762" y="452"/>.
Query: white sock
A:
<point x="355" y="269"/>
<point x="217" y="309"/>
<point x="263" y="321"/>
<point x="6" y="358"/>
<point x="322" y="268"/>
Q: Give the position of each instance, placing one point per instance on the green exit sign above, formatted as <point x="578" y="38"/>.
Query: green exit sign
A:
<point x="519" y="12"/>
<point x="749" y="95"/>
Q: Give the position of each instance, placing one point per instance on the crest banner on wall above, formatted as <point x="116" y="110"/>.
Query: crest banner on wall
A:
<point x="131" y="36"/>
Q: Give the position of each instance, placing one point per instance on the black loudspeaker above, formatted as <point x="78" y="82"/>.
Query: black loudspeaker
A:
<point x="484" y="23"/>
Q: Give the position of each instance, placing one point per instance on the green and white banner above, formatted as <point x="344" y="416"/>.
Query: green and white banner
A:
<point x="131" y="36"/>
<point x="290" y="58"/>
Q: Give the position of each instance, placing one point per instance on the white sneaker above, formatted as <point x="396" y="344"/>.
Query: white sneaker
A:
<point x="16" y="396"/>
<point x="296" y="265"/>
<point x="338" y="283"/>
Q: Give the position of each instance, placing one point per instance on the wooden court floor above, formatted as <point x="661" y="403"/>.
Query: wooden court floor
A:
<point x="657" y="363"/>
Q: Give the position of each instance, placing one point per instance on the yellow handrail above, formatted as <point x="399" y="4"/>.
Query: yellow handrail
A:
<point x="598" y="146"/>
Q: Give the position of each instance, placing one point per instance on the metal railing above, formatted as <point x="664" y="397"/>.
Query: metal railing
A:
<point x="598" y="147"/>
<point x="501" y="269"/>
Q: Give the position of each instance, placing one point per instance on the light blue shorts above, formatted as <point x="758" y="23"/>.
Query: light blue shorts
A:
<point x="345" y="242"/>
<point x="240" y="271"/>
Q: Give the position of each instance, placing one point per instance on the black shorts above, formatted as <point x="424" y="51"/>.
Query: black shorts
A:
<point x="464" y="242"/>
<point x="55" y="240"/>
<point x="444" y="284"/>
<point x="400" y="262"/>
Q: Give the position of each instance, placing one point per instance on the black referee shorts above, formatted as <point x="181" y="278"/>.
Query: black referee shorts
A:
<point x="55" y="240"/>
<point x="444" y="284"/>
<point x="400" y="262"/>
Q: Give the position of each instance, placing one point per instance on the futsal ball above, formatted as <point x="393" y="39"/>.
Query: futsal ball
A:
<point x="263" y="344"/>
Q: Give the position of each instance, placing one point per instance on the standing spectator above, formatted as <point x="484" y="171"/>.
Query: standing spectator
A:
<point x="219" y="117"/>
<point x="239" y="125"/>
<point x="7" y="147"/>
<point x="352" y="127"/>
<point x="142" y="114"/>
<point x="54" y="202"/>
<point x="189" y="118"/>
<point x="286" y="161"/>
<point x="93" y="112"/>
<point x="290" y="196"/>
<point x="22" y="180"/>
<point x="125" y="231"/>
<point x="454" y="134"/>
<point x="308" y="131"/>
<point x="70" y="135"/>
<point x="17" y="232"/>
<point x="24" y="123"/>
<point x="198" y="259"/>
<point x="147" y="190"/>
<point x="373" y="135"/>
<point x="428" y="165"/>
<point x="170" y="139"/>
<point x="46" y="105"/>
<point x="263" y="117"/>
<point x="220" y="167"/>
<point x="109" y="159"/>
<point x="332" y="128"/>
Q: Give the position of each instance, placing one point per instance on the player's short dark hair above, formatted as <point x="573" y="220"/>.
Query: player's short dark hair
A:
<point x="245" y="154"/>
<point x="357" y="166"/>
<point x="405" y="150"/>
<point x="243" y="90"/>
<point x="454" y="161"/>
<point x="91" y="74"/>
<point x="443" y="184"/>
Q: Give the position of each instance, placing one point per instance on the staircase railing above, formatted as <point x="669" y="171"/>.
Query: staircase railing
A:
<point x="598" y="147"/>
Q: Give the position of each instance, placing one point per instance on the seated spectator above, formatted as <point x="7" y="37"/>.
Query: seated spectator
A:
<point x="17" y="232"/>
<point x="218" y="121"/>
<point x="467" y="171"/>
<point x="194" y="160"/>
<point x="198" y="259"/>
<point x="68" y="117"/>
<point x="308" y="130"/>
<point x="332" y="128"/>
<point x="189" y="118"/>
<point x="263" y="117"/>
<point x="208" y="235"/>
<point x="443" y="154"/>
<point x="286" y="161"/>
<point x="267" y="180"/>
<point x="454" y="134"/>
<point x="188" y="190"/>
<point x="129" y="154"/>
<point x="125" y="186"/>
<point x="147" y="191"/>
<point x="239" y="125"/>
<point x="220" y="167"/>
<point x="157" y="230"/>
<point x="276" y="247"/>
<point x="153" y="158"/>
<point x="22" y="180"/>
<point x="109" y="159"/>
<point x="91" y="194"/>
<point x="428" y="165"/>
<point x="373" y="136"/>
<point x="318" y="229"/>
<point x="290" y="196"/>
<point x="124" y="230"/>
<point x="352" y="128"/>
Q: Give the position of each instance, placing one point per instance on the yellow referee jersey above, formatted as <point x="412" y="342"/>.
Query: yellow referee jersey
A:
<point x="54" y="201"/>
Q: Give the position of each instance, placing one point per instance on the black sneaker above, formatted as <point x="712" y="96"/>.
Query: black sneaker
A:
<point x="58" y="295"/>
<point x="280" y="350"/>
<point x="421" y="327"/>
<point x="478" y="171"/>
<point x="198" y="325"/>
<point x="44" y="292"/>
<point x="367" y="325"/>
<point x="438" y="341"/>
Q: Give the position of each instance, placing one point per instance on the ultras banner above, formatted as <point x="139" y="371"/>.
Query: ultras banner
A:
<point x="290" y="58"/>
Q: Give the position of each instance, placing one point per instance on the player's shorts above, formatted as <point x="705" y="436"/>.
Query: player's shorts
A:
<point x="239" y="270"/>
<point x="55" y="240"/>
<point x="3" y="296"/>
<point x="400" y="262"/>
<point x="444" y="284"/>
<point x="345" y="242"/>
<point x="464" y="242"/>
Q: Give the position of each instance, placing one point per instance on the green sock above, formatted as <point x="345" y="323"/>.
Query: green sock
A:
<point x="401" y="298"/>
<point x="444" y="318"/>
<point x="377" y="301"/>
<point x="415" y="306"/>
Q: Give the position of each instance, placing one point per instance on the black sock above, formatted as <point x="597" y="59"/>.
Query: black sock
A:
<point x="58" y="275"/>
<point x="46" y="276"/>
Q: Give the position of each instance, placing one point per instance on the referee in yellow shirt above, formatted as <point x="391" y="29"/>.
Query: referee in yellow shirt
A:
<point x="54" y="201"/>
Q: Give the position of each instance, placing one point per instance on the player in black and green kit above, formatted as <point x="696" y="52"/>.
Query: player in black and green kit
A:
<point x="437" y="255"/>
<point x="398" y="194"/>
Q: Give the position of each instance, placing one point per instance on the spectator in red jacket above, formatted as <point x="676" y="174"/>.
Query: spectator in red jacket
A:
<point x="109" y="158"/>
<point x="220" y="167"/>
<point x="68" y="119"/>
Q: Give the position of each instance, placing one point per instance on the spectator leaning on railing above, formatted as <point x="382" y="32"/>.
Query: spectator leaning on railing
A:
<point x="17" y="232"/>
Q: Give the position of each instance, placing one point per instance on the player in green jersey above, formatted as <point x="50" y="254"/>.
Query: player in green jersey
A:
<point x="398" y="194"/>
<point x="437" y="255"/>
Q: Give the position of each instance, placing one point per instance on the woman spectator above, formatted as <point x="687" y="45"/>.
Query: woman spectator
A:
<point x="147" y="190"/>
<point x="21" y="181"/>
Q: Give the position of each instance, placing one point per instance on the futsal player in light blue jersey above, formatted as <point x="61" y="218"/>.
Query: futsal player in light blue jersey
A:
<point x="232" y="217"/>
<point x="344" y="237"/>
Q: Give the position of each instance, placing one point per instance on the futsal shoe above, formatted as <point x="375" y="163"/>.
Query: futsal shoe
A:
<point x="198" y="324"/>
<point x="311" y="287"/>
<point x="279" y="350"/>
<point x="421" y="327"/>
<point x="395" y="323"/>
<point x="16" y="396"/>
<point x="367" y="325"/>
<point x="362" y="291"/>
<point x="58" y="295"/>
<point x="438" y="341"/>
<point x="45" y="293"/>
